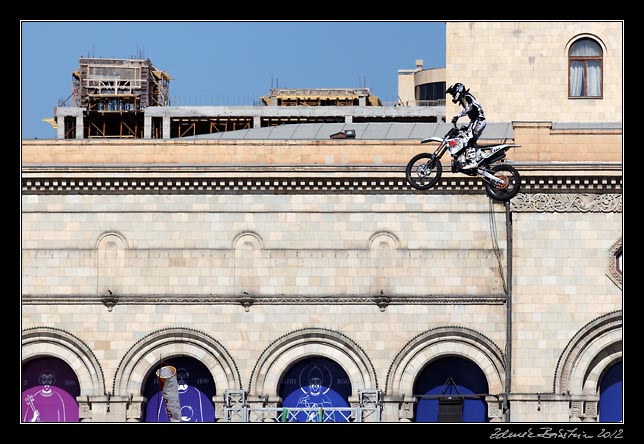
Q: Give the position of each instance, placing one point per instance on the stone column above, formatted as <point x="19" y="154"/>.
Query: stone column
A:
<point x="147" y="126"/>
<point x="166" y="127"/>
<point x="590" y="411"/>
<point x="219" y="402"/>
<point x="576" y="411"/>
<point x="406" y="411"/>
<point x="494" y="408"/>
<point x="79" y="126"/>
<point x="354" y="403"/>
<point x="85" y="409"/>
<point x="134" y="409"/>
<point x="109" y="408"/>
<point x="60" y="130"/>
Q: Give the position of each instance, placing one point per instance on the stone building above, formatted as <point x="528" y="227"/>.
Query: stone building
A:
<point x="302" y="279"/>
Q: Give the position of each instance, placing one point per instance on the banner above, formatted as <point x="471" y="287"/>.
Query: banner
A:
<point x="170" y="388"/>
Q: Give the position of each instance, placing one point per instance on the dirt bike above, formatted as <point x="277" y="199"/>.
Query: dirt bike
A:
<point x="502" y="181"/>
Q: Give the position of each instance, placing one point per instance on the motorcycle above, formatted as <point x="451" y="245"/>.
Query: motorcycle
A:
<point x="502" y="181"/>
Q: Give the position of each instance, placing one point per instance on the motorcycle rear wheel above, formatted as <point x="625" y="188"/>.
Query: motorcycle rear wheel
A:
<point x="423" y="171"/>
<point x="511" y="183"/>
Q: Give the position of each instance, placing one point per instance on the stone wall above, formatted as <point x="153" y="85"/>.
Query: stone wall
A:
<point x="519" y="70"/>
<point x="378" y="270"/>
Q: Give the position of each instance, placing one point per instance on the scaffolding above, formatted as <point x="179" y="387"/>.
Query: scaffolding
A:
<point x="238" y="409"/>
<point x="114" y="94"/>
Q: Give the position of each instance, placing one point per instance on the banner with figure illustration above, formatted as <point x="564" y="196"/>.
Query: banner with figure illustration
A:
<point x="49" y="391"/>
<point x="170" y="388"/>
<point x="313" y="389"/>
<point x="196" y="391"/>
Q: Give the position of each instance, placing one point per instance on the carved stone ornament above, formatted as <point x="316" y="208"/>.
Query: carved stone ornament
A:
<point x="576" y="408"/>
<point x="109" y="299"/>
<point x="406" y="411"/>
<point x="567" y="203"/>
<point x="614" y="273"/>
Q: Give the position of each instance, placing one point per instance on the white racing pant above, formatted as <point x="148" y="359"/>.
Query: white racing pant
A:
<point x="475" y="132"/>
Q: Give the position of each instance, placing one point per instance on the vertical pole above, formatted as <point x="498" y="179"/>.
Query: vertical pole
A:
<point x="508" y="304"/>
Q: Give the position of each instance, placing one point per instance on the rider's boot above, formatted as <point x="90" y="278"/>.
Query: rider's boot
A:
<point x="470" y="157"/>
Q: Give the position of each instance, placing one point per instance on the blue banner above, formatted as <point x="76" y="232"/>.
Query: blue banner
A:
<point x="610" y="395"/>
<point x="196" y="389"/>
<point x="451" y="376"/>
<point x="312" y="388"/>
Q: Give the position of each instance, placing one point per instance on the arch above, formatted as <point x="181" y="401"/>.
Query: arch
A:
<point x="110" y="261"/>
<point x="47" y="341"/>
<point x="246" y="261"/>
<point x="289" y="349"/>
<point x="248" y="240"/>
<point x="593" y="349"/>
<point x="443" y="342"/>
<point x="143" y="356"/>
<point x="115" y="238"/>
<point x="384" y="239"/>
<point x="574" y="39"/>
<point x="382" y="259"/>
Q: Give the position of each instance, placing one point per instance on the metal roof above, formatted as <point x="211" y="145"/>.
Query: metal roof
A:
<point x="586" y="125"/>
<point x="363" y="131"/>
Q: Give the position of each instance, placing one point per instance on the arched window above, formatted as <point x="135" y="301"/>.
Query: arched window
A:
<point x="585" y="66"/>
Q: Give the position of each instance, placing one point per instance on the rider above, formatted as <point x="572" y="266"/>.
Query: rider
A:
<point x="474" y="112"/>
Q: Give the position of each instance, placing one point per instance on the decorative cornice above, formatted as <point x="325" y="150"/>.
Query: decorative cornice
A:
<point x="247" y="301"/>
<point x="567" y="203"/>
<point x="241" y="169"/>
<point x="304" y="184"/>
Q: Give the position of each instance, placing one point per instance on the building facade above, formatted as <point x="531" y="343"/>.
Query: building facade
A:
<point x="305" y="280"/>
<point x="535" y="71"/>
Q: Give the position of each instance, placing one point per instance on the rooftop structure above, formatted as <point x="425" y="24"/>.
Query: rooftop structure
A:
<point x="116" y="98"/>
<point x="110" y="96"/>
<point x="321" y="97"/>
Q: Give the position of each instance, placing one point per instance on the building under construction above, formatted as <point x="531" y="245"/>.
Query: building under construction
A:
<point x="113" y="95"/>
<point x="117" y="98"/>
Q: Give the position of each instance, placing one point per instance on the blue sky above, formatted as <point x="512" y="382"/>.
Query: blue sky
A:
<point x="224" y="63"/>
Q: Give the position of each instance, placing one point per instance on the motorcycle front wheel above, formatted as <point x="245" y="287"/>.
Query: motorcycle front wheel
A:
<point x="510" y="185"/>
<point x="423" y="171"/>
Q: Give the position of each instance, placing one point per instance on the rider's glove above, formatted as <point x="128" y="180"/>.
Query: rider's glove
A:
<point x="454" y="120"/>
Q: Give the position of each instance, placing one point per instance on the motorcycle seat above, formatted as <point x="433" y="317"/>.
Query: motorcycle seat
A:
<point x="485" y="147"/>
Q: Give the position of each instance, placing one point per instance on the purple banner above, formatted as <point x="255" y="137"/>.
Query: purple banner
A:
<point x="45" y="403"/>
<point x="49" y="390"/>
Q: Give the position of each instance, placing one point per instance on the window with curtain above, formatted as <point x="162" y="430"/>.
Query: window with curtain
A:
<point x="585" y="67"/>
